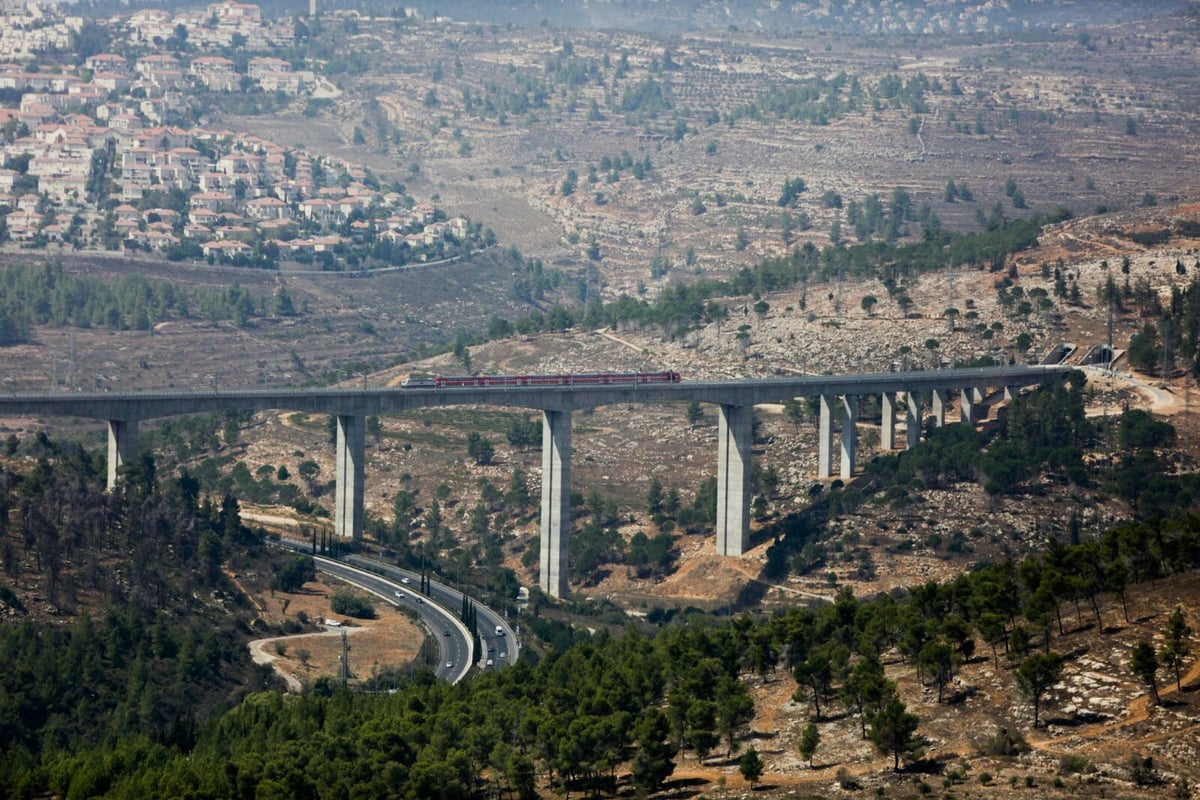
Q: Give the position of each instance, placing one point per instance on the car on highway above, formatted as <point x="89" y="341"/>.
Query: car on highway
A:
<point x="405" y="581"/>
<point x="490" y="662"/>
<point x="503" y="654"/>
<point x="400" y="595"/>
<point x="449" y="665"/>
<point x="419" y="600"/>
<point x="445" y="631"/>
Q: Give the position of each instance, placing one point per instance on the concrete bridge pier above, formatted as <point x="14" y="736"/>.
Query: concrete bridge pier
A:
<point x="122" y="447"/>
<point x="971" y="396"/>
<point x="348" y="492"/>
<point x="937" y="399"/>
<point x="556" y="501"/>
<point x="825" y="438"/>
<point x="887" y="424"/>
<point x="849" y="434"/>
<point x="914" y="419"/>
<point x="735" y="439"/>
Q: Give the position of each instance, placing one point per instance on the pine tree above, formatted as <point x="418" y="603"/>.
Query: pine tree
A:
<point x="893" y="731"/>
<point x="810" y="738"/>
<point x="1144" y="663"/>
<point x="1037" y="674"/>
<point x="1176" y="646"/>
<point x="653" y="762"/>
<point x="751" y="767"/>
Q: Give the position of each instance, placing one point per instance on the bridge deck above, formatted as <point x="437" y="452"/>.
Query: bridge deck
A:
<point x="137" y="406"/>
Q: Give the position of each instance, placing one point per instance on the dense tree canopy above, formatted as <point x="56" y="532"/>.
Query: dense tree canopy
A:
<point x="47" y="295"/>
<point x="575" y="717"/>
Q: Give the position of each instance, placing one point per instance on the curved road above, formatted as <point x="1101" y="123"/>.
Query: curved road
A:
<point x="439" y="611"/>
<point x="498" y="640"/>
<point x="1159" y="398"/>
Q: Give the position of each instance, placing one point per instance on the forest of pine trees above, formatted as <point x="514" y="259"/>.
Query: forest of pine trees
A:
<point x="101" y="707"/>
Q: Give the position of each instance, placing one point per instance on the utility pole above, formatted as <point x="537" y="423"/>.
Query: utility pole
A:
<point x="1110" y="341"/>
<point x="344" y="660"/>
<point x="1166" y="338"/>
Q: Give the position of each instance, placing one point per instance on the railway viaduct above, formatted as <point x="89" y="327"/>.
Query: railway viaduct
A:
<point x="839" y="396"/>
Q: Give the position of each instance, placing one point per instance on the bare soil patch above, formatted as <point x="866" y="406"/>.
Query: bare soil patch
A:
<point x="391" y="641"/>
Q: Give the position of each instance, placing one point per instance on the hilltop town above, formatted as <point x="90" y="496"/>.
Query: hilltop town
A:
<point x="102" y="155"/>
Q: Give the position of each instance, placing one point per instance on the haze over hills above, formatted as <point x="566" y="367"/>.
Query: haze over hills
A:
<point x="938" y="17"/>
<point x="736" y="189"/>
<point x="879" y="17"/>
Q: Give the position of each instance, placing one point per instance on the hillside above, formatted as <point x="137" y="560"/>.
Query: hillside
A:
<point x="1097" y="717"/>
<point x="495" y="122"/>
<point x="1093" y="712"/>
<point x="724" y="200"/>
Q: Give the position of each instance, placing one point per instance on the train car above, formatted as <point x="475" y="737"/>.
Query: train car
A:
<point x="564" y="379"/>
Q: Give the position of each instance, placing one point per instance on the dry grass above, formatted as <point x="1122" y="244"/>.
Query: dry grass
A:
<point x="391" y="641"/>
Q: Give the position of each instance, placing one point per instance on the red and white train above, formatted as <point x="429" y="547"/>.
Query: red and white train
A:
<point x="567" y="379"/>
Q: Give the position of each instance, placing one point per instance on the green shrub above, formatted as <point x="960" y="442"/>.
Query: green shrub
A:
<point x="294" y="574"/>
<point x="349" y="604"/>
<point x="9" y="598"/>
<point x="1141" y="770"/>
<point x="1072" y="763"/>
<point x="1005" y="742"/>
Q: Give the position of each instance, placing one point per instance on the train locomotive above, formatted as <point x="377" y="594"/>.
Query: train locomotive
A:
<point x="564" y="379"/>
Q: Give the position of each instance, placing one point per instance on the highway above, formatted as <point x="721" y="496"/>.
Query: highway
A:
<point x="439" y="612"/>
<point x="499" y="647"/>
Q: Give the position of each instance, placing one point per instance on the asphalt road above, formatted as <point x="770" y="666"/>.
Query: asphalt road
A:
<point x="499" y="642"/>
<point x="438" y="611"/>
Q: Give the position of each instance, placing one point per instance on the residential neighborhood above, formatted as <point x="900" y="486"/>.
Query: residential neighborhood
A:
<point x="98" y="150"/>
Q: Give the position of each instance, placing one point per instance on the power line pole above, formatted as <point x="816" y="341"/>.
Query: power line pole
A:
<point x="1110" y="323"/>
<point x="344" y="661"/>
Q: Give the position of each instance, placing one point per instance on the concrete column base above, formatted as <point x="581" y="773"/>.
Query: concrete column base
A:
<point x="887" y="423"/>
<point x="825" y="438"/>
<point x="348" y="478"/>
<point x="914" y="419"/>
<point x="556" y="502"/>
<point x="122" y="447"/>
<point x="938" y="398"/>
<point x="967" y="410"/>
<point x="734" y="444"/>
<point x="849" y="434"/>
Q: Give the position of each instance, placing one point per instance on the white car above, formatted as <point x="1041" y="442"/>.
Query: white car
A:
<point x="400" y="595"/>
<point x="503" y="654"/>
<point x="490" y="662"/>
<point x="405" y="581"/>
<point x="449" y="665"/>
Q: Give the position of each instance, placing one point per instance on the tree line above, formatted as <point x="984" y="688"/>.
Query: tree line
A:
<point x="681" y="307"/>
<point x="577" y="718"/>
<point x="1170" y="341"/>
<point x="166" y="645"/>
<point x="46" y="294"/>
<point x="637" y="701"/>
